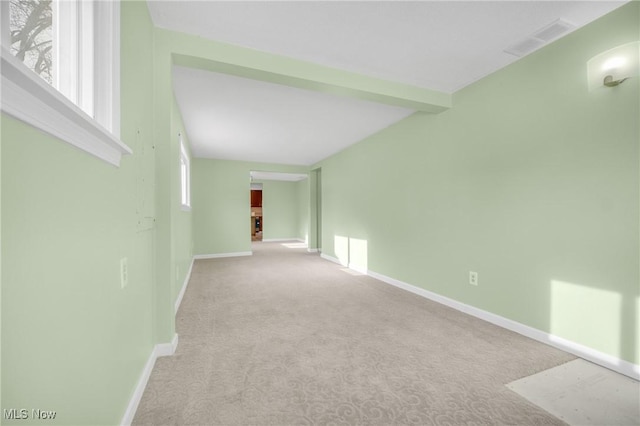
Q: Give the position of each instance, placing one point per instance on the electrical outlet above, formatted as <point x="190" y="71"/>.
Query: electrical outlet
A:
<point x="473" y="278"/>
<point x="124" y="273"/>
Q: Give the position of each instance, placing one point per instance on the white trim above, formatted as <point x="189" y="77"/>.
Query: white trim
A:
<point x="67" y="39"/>
<point x="331" y="258"/>
<point x="184" y="287"/>
<point x="167" y="349"/>
<point x="130" y="412"/>
<point x="161" y="349"/>
<point x="312" y="250"/>
<point x="185" y="176"/>
<point x="613" y="363"/>
<point x="605" y="360"/>
<point x="218" y="255"/>
<point x="29" y="98"/>
<point x="276" y="240"/>
<point x="106" y="75"/>
<point x="360" y="269"/>
<point x="86" y="23"/>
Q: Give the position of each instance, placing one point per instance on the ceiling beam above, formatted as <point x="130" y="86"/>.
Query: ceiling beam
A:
<point x="199" y="53"/>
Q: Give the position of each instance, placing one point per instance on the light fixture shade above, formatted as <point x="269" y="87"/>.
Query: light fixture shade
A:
<point x="619" y="63"/>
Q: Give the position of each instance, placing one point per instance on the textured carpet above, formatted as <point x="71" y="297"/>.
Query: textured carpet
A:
<point x="286" y="338"/>
<point x="582" y="393"/>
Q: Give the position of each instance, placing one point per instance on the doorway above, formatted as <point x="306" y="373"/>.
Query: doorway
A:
<point x="284" y="199"/>
<point x="256" y="212"/>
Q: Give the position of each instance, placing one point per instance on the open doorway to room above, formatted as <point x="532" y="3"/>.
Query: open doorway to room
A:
<point x="256" y="212"/>
<point x="280" y="207"/>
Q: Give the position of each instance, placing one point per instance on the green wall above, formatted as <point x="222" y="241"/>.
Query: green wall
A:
<point x="280" y="210"/>
<point x="530" y="180"/>
<point x="315" y="209"/>
<point x="73" y="340"/>
<point x="1" y="316"/>
<point x="303" y="210"/>
<point x="221" y="205"/>
<point x="183" y="240"/>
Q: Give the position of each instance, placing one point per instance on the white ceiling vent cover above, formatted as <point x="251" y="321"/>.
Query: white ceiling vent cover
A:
<point x="524" y="47"/>
<point x="544" y="35"/>
<point x="554" y="30"/>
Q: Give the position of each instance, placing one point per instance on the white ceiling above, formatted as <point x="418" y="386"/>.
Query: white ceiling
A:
<point x="235" y="118"/>
<point x="438" y="45"/>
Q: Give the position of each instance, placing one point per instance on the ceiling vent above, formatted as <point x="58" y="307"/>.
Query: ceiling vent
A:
<point x="541" y="37"/>
<point x="525" y="47"/>
<point x="554" y="30"/>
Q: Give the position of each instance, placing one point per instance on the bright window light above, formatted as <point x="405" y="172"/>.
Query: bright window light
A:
<point x="185" y="177"/>
<point x="65" y="42"/>
<point x="31" y="25"/>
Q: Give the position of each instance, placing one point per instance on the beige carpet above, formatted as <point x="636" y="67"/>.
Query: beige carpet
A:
<point x="582" y="393"/>
<point x="286" y="338"/>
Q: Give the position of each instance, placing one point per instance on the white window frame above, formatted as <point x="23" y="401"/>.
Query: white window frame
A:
<point x="185" y="176"/>
<point x="65" y="113"/>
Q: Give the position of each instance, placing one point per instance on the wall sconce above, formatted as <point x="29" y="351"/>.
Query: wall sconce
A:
<point x="611" y="68"/>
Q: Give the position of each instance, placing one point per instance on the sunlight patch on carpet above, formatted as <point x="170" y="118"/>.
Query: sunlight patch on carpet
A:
<point x="582" y="393"/>
<point x="295" y="245"/>
<point x="352" y="271"/>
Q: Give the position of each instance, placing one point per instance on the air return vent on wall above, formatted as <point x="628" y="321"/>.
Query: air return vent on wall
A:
<point x="541" y="37"/>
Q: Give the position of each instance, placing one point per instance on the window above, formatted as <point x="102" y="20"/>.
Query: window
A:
<point x="31" y="23"/>
<point x="185" y="176"/>
<point x="61" y="70"/>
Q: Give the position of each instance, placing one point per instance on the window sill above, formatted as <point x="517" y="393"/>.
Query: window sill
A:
<point x="28" y="98"/>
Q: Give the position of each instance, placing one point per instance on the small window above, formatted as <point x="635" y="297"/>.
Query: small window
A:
<point x="61" y="55"/>
<point x="31" y="24"/>
<point x="185" y="176"/>
<point x="60" y="40"/>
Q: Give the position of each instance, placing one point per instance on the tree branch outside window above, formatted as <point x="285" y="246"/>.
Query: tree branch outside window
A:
<point x="31" y="35"/>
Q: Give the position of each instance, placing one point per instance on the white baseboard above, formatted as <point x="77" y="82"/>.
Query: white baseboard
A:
<point x="167" y="349"/>
<point x="357" y="268"/>
<point x="184" y="287"/>
<point x="332" y="259"/>
<point x="312" y="250"/>
<point x="277" y="240"/>
<point x="605" y="360"/>
<point x="161" y="349"/>
<point x="218" y="255"/>
<point x="613" y="363"/>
